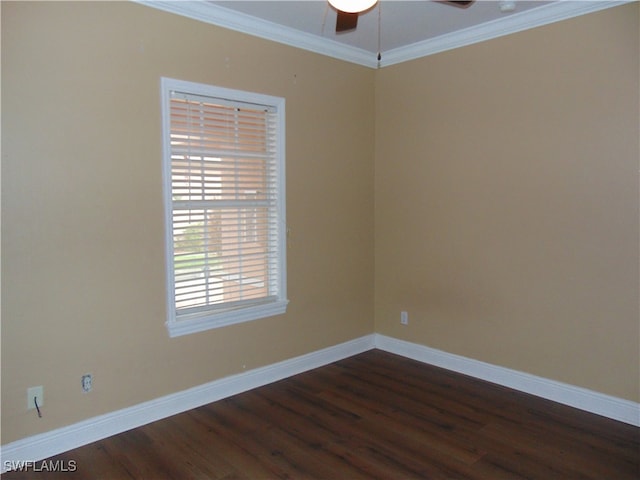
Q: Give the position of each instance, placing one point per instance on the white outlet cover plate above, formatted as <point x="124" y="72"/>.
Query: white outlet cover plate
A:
<point x="35" y="392"/>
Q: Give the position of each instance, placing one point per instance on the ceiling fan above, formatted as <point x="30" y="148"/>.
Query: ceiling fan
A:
<point x="348" y="11"/>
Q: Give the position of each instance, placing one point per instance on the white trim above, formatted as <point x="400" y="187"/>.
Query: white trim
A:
<point x="223" y="17"/>
<point x="608" y="406"/>
<point x="44" y="445"/>
<point x="536" y="17"/>
<point x="185" y="324"/>
<point x="241" y="22"/>
<point x="187" y="327"/>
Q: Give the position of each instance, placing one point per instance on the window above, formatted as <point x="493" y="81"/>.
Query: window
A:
<point x="224" y="206"/>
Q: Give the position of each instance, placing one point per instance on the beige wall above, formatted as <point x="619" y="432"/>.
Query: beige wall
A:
<point x="505" y="204"/>
<point x="82" y="231"/>
<point x="506" y="201"/>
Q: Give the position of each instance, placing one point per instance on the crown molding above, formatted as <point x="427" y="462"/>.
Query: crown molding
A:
<point x="223" y="17"/>
<point x="517" y="22"/>
<point x="233" y="20"/>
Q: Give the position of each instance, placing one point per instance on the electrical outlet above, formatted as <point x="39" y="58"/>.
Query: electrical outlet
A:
<point x="36" y="393"/>
<point x="404" y="318"/>
<point x="87" y="382"/>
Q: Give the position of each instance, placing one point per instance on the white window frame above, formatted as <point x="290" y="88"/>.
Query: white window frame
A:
<point x="185" y="324"/>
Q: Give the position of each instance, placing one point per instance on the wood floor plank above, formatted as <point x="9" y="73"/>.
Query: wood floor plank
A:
<point x="371" y="416"/>
<point x="376" y="437"/>
<point x="191" y="447"/>
<point x="243" y="462"/>
<point x="573" y="459"/>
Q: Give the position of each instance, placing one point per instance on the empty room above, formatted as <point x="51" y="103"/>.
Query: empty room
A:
<point x="232" y="248"/>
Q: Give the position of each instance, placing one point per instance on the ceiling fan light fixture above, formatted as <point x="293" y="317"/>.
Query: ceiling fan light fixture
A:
<point x="352" y="6"/>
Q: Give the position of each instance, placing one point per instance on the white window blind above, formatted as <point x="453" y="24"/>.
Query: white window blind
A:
<point x="224" y="189"/>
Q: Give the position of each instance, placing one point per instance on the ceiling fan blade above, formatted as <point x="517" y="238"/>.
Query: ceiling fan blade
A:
<point x="457" y="3"/>
<point x="346" y="21"/>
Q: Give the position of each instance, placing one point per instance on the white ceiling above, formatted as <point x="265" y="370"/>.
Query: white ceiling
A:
<point x="399" y="30"/>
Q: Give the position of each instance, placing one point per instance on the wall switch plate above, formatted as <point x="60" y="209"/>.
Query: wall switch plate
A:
<point x="404" y="318"/>
<point x="36" y="393"/>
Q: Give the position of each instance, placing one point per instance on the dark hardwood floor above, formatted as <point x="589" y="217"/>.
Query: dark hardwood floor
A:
<point x="372" y="416"/>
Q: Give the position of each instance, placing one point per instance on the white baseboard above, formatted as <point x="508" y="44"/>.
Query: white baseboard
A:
<point x="44" y="445"/>
<point x="612" y="407"/>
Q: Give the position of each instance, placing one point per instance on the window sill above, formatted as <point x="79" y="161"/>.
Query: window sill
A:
<point x="178" y="328"/>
